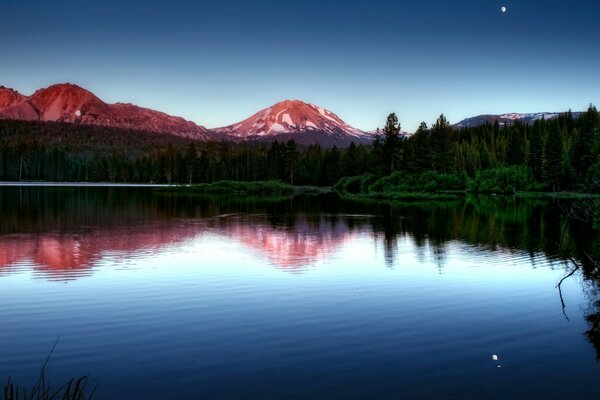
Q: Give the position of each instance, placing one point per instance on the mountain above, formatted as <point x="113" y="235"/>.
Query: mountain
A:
<point x="507" y="119"/>
<point x="289" y="119"/>
<point x="8" y="97"/>
<point x="71" y="103"/>
<point x="294" y="119"/>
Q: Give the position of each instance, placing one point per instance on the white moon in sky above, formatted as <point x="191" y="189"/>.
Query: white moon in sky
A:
<point x="503" y="9"/>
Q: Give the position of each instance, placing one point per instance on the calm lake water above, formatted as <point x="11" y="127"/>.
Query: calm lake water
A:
<point x="162" y="296"/>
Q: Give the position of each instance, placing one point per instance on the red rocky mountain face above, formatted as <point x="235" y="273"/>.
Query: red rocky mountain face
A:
<point x="8" y="97"/>
<point x="71" y="103"/>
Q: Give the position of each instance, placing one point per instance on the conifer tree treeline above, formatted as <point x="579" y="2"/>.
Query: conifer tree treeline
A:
<point x="562" y="153"/>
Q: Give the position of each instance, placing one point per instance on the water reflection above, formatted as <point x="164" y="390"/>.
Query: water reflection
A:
<point x="68" y="234"/>
<point x="68" y="230"/>
<point x="293" y="248"/>
<point x="69" y="255"/>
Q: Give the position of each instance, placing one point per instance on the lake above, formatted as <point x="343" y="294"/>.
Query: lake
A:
<point x="158" y="296"/>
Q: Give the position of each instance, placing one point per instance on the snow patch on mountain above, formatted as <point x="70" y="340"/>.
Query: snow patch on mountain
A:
<point x="277" y="128"/>
<point x="288" y="120"/>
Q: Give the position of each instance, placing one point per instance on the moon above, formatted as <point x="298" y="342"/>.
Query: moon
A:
<point x="503" y="9"/>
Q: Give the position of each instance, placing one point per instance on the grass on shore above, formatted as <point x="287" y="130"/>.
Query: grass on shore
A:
<point x="402" y="197"/>
<point x="75" y="389"/>
<point x="270" y="188"/>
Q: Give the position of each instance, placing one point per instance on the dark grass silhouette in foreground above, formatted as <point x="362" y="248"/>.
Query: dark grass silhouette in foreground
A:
<point x="75" y="389"/>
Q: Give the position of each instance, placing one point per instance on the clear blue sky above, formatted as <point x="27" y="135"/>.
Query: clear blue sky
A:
<point x="217" y="62"/>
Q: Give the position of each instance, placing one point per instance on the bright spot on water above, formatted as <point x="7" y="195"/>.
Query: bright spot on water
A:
<point x="503" y="9"/>
<point x="78" y="113"/>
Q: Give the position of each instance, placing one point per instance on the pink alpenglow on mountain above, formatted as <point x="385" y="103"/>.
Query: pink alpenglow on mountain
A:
<point x="8" y="97"/>
<point x="73" y="104"/>
<point x="290" y="119"/>
<point x="293" y="119"/>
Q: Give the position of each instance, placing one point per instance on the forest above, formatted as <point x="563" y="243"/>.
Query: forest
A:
<point x="548" y="155"/>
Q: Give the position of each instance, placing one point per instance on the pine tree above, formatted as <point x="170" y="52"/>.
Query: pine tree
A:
<point x="350" y="161"/>
<point x="420" y="158"/>
<point x="515" y="151"/>
<point x="536" y="150"/>
<point x="443" y="151"/>
<point x="554" y="157"/>
<point x="191" y="163"/>
<point x="582" y="153"/>
<point x="291" y="159"/>
<point x="391" y="143"/>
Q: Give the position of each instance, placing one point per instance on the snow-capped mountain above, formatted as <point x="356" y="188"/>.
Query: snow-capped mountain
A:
<point x="294" y="119"/>
<point x="71" y="103"/>
<point x="508" y="119"/>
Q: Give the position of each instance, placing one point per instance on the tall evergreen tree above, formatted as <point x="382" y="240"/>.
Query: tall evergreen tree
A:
<point x="536" y="150"/>
<point x="515" y="151"/>
<point x="554" y="157"/>
<point x="391" y="143"/>
<point x="291" y="160"/>
<point x="583" y="152"/>
<point x="420" y="157"/>
<point x="442" y="146"/>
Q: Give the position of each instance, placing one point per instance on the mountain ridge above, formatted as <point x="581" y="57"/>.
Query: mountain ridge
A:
<point x="67" y="102"/>
<point x="289" y="119"/>
<point x="508" y="118"/>
<point x="303" y="122"/>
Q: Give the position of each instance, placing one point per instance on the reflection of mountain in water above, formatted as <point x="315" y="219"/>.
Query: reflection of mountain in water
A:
<point x="65" y="233"/>
<point x="291" y="248"/>
<point x="71" y="255"/>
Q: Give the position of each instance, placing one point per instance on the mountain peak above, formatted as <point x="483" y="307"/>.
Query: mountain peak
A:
<point x="67" y="102"/>
<point x="9" y="97"/>
<point x="295" y="119"/>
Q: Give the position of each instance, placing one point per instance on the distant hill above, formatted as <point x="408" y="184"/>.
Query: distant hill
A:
<point x="508" y="119"/>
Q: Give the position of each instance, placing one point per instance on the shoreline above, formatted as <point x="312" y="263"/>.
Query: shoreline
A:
<point x="86" y="184"/>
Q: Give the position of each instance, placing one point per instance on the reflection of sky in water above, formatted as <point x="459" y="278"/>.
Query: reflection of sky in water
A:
<point x="251" y="238"/>
<point x="238" y="306"/>
<point x="210" y="308"/>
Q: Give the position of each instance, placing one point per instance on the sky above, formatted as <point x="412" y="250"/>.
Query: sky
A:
<point x="217" y="62"/>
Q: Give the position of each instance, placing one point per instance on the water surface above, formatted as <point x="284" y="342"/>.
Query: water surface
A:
<point x="163" y="296"/>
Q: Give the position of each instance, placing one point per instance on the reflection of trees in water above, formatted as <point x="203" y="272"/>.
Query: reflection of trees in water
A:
<point x="591" y="283"/>
<point x="491" y="222"/>
<point x="592" y="317"/>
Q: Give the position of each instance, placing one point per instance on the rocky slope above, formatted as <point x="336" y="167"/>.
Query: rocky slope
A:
<point x="73" y="104"/>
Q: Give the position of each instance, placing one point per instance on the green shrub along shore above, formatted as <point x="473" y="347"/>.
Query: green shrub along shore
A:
<point x="245" y="188"/>
<point x="234" y="187"/>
